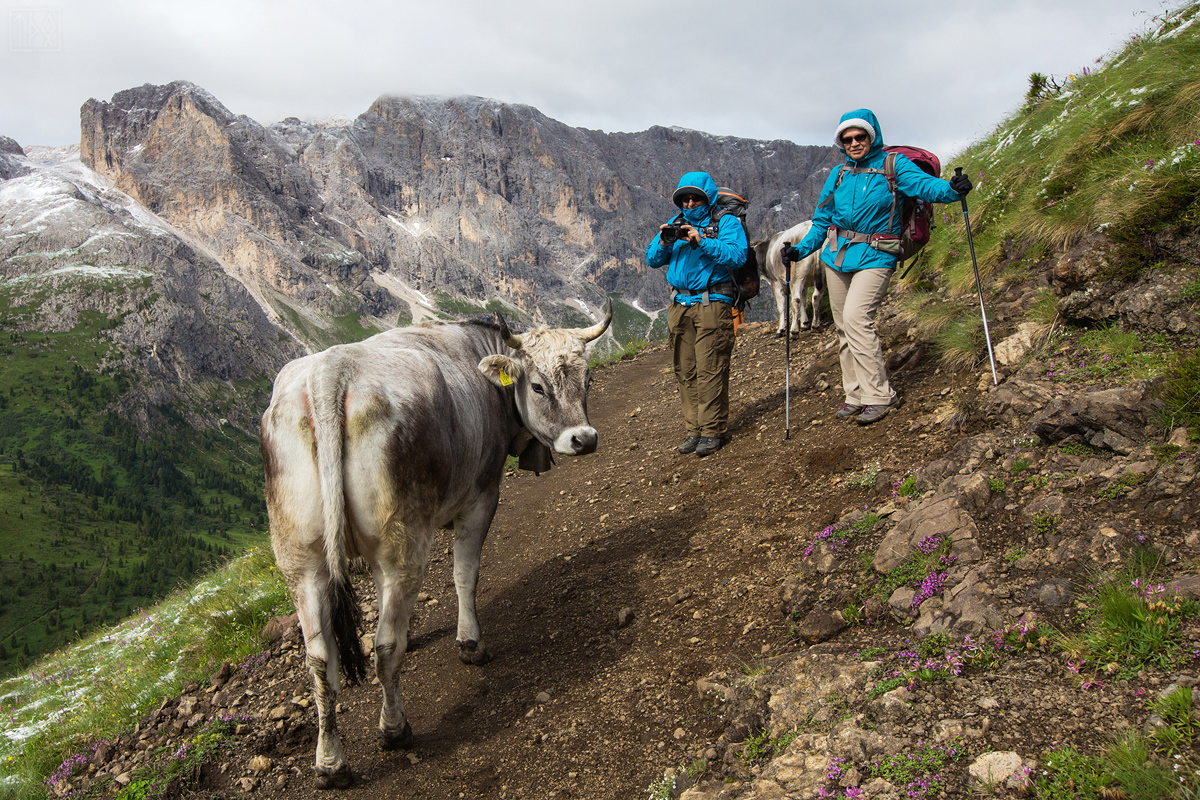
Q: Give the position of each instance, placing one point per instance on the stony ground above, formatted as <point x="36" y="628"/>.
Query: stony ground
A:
<point x="651" y="611"/>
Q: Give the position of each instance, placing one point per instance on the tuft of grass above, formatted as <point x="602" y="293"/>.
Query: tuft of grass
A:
<point x="1081" y="449"/>
<point x="762" y="746"/>
<point x="1131" y="623"/>
<point x="1045" y="522"/>
<point x="1044" y="314"/>
<point x="1180" y="727"/>
<point x="1181" y="395"/>
<point x="960" y="343"/>
<point x="1118" y="487"/>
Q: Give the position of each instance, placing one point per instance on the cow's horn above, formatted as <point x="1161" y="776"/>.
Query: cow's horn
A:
<point x="509" y="339"/>
<point x="597" y="330"/>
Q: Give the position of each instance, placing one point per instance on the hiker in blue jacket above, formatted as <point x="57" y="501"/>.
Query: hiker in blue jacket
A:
<point x="856" y="272"/>
<point x="700" y="258"/>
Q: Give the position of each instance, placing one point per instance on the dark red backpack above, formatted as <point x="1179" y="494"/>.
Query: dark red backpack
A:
<point x="916" y="215"/>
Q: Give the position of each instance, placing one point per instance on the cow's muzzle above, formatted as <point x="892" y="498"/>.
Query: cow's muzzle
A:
<point x="577" y="441"/>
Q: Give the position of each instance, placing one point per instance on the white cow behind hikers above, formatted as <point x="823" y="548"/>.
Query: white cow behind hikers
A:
<point x="370" y="448"/>
<point x="805" y="273"/>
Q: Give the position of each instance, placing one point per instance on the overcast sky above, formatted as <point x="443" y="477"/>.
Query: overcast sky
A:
<point x="938" y="74"/>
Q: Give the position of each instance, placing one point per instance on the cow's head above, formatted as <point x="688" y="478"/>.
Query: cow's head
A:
<point x="549" y="374"/>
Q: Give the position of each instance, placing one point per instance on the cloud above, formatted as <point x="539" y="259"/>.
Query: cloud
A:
<point x="938" y="76"/>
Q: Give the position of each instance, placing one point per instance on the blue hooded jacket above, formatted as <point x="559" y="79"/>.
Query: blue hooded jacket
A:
<point x="863" y="202"/>
<point x="694" y="269"/>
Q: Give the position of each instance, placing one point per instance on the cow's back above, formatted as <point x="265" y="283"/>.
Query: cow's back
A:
<point x="422" y="429"/>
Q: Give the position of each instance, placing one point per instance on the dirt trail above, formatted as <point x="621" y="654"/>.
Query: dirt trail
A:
<point x="615" y="581"/>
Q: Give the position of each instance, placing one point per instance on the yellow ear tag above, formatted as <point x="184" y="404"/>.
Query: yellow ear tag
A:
<point x="504" y="379"/>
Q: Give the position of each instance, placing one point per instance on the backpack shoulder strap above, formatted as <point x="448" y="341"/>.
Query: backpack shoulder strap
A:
<point x="836" y="184"/>
<point x="889" y="170"/>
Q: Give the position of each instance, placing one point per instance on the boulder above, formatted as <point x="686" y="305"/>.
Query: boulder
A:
<point x="1110" y="419"/>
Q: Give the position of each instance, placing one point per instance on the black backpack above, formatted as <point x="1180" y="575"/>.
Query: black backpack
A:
<point x="745" y="277"/>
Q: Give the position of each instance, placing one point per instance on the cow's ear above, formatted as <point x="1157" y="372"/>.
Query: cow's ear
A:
<point x="500" y="370"/>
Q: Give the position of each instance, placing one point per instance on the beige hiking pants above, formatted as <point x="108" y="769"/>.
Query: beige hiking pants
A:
<point x="855" y="298"/>
<point x="702" y="342"/>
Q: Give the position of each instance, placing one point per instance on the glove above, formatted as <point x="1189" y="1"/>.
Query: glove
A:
<point x="789" y="254"/>
<point x="961" y="184"/>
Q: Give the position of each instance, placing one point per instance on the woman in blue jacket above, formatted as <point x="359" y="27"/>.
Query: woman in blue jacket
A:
<point x="700" y="259"/>
<point x="856" y="271"/>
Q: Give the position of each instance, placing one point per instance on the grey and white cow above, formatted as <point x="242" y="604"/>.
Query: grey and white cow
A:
<point x="370" y="448"/>
<point x="805" y="273"/>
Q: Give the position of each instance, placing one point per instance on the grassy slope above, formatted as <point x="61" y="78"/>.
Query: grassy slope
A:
<point x="1117" y="147"/>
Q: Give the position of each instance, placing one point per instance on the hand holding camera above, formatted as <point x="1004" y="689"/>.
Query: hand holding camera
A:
<point x="678" y="230"/>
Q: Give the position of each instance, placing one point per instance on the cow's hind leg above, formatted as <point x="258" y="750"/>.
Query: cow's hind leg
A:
<point x="799" y="313"/>
<point x="313" y="609"/>
<point x="818" y="290"/>
<point x="398" y="577"/>
<point x="778" y="289"/>
<point x="470" y="529"/>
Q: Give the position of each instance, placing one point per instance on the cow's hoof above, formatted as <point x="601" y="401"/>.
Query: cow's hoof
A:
<point x="805" y="327"/>
<point x="778" y="334"/>
<point x="391" y="740"/>
<point x="341" y="778"/>
<point x="469" y="652"/>
<point x="795" y="334"/>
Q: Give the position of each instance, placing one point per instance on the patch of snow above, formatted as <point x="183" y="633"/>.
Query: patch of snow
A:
<point x="584" y="308"/>
<point x="418" y="303"/>
<point x="1176" y="31"/>
<point x="414" y="227"/>
<point x="33" y="188"/>
<point x="651" y="314"/>
<point x="42" y="155"/>
<point x="82" y="270"/>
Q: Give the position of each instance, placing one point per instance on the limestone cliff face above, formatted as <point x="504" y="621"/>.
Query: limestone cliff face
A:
<point x="71" y="244"/>
<point x="466" y="196"/>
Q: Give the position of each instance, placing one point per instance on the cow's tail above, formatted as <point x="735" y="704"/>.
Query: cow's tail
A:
<point x="327" y="393"/>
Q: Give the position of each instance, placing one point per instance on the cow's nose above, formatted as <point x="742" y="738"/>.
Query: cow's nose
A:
<point x="585" y="441"/>
<point x="577" y="441"/>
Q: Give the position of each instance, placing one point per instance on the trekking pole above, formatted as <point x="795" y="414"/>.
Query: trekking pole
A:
<point x="787" y="342"/>
<point x="978" y="284"/>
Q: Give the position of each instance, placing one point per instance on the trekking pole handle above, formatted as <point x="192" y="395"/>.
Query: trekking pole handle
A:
<point x="963" y="200"/>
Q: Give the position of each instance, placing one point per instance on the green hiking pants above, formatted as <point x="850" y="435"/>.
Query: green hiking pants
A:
<point x="701" y="343"/>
